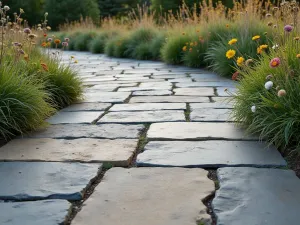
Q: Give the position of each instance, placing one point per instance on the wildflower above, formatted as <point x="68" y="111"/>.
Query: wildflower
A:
<point x="6" y="8"/>
<point x="235" y="76"/>
<point x="46" y="13"/>
<point x="269" y="77"/>
<point x="270" y="23"/>
<point x="45" y="67"/>
<point x="45" y="35"/>
<point x="275" y="62"/>
<point x="256" y="37"/>
<point x="259" y="50"/>
<point x="27" y="30"/>
<point x="72" y="57"/>
<point x="268" y="15"/>
<point x="49" y="39"/>
<point x="198" y="31"/>
<point x="26" y="57"/>
<point x="281" y="93"/>
<point x="275" y="46"/>
<point x="39" y="25"/>
<point x="48" y="44"/>
<point x="253" y="108"/>
<point x="190" y="49"/>
<point x="232" y="41"/>
<point x="44" y="44"/>
<point x="248" y="62"/>
<point x="230" y="53"/>
<point x="192" y="44"/>
<point x="288" y="28"/>
<point x="274" y="26"/>
<point x="57" y="41"/>
<point x="240" y="61"/>
<point x="48" y="28"/>
<point x="227" y="25"/>
<point x="21" y="51"/>
<point x="32" y="36"/>
<point x="65" y="44"/>
<point x="76" y="61"/>
<point x="17" y="44"/>
<point x="298" y="56"/>
<point x="195" y="43"/>
<point x="184" y="48"/>
<point x="297" y="38"/>
<point x="67" y="39"/>
<point x="268" y="85"/>
<point x="22" y="10"/>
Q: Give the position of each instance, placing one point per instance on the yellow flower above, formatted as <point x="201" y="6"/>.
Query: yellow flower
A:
<point x="184" y="48"/>
<point x="256" y="37"/>
<point x="72" y="57"/>
<point x="227" y="25"/>
<point x="76" y="61"/>
<point x="263" y="46"/>
<point x="232" y="41"/>
<point x="298" y="56"/>
<point x="240" y="61"/>
<point x="192" y="44"/>
<point x="259" y="50"/>
<point x="230" y="53"/>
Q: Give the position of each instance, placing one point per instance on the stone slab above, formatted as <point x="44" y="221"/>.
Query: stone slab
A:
<point x="194" y="91"/>
<point x="71" y="131"/>
<point x="197" y="131"/>
<point x="74" y="117"/>
<point x="126" y="89"/>
<point x="210" y="114"/>
<point x="87" y="107"/>
<point x="147" y="107"/>
<point x="214" y="105"/>
<point x="166" y="99"/>
<point x="143" y="116"/>
<point x="25" y="181"/>
<point x="206" y="84"/>
<point x="209" y="154"/>
<point x="152" y="93"/>
<point x="257" y="196"/>
<point x="46" y="212"/>
<point x="226" y="91"/>
<point x="148" y="196"/>
<point x="117" y="152"/>
<point x="110" y="97"/>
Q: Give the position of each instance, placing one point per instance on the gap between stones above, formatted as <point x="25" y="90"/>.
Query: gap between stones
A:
<point x="187" y="113"/>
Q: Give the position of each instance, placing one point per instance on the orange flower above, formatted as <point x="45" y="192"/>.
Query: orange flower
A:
<point x="298" y="56"/>
<point x="45" y="67"/>
<point x="57" y="41"/>
<point x="191" y="49"/>
<point x="184" y="48"/>
<point x="45" y="35"/>
<point x="26" y="57"/>
<point x="44" y="44"/>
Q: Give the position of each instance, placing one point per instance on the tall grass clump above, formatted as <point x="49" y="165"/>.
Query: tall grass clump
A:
<point x="156" y="45"/>
<point x="82" y="41"/>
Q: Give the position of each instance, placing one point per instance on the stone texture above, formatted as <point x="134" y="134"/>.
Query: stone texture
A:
<point x="126" y="89"/>
<point x="209" y="154"/>
<point x="214" y="105"/>
<point x="71" y="131"/>
<point x="206" y="84"/>
<point x="45" y="180"/>
<point x="257" y="196"/>
<point x="194" y="91"/>
<point x="197" y="131"/>
<point x="143" y="116"/>
<point x="47" y="212"/>
<point x="230" y="90"/>
<point x="168" y="99"/>
<point x="148" y="196"/>
<point x="74" y="117"/>
<point x="110" y="97"/>
<point x="117" y="152"/>
<point x="209" y="114"/>
<point x="87" y="107"/>
<point x="147" y="107"/>
<point x="150" y="93"/>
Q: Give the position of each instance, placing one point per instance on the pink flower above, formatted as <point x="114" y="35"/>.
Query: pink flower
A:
<point x="288" y="28"/>
<point x="50" y="39"/>
<point x="67" y="39"/>
<point x="27" y="30"/>
<point x="65" y="44"/>
<point x="275" y="62"/>
<point x="281" y="93"/>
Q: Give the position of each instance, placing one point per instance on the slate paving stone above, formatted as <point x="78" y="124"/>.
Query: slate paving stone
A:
<point x="74" y="117"/>
<point x="209" y="154"/>
<point x="194" y="91"/>
<point x="118" y="152"/>
<point x="257" y="196"/>
<point x="86" y="107"/>
<point x="224" y="100"/>
<point x="147" y="107"/>
<point x="126" y="89"/>
<point x="25" y="181"/>
<point x="110" y="97"/>
<point x="214" y="105"/>
<point x="46" y="212"/>
<point x="206" y="84"/>
<point x="166" y="99"/>
<point x="152" y="93"/>
<point x="71" y="131"/>
<point x="209" y="114"/>
<point x="197" y="131"/>
<point x="148" y="196"/>
<point x="226" y="91"/>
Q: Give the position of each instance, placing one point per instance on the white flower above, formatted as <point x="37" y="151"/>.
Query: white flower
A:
<point x="268" y="85"/>
<point x="46" y="13"/>
<point x="275" y="46"/>
<point x="253" y="108"/>
<point x="6" y="8"/>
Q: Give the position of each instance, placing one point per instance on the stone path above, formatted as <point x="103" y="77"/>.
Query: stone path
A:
<point x="165" y="130"/>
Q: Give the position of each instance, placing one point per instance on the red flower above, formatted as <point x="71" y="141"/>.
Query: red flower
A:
<point x="235" y="76"/>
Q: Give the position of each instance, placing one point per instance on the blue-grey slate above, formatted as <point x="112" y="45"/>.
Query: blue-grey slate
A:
<point x="25" y="181"/>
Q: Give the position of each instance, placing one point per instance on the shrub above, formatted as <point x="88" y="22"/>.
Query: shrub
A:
<point x="117" y="47"/>
<point x="73" y="37"/>
<point x="82" y="41"/>
<point x="97" y="44"/>
<point x="156" y="45"/>
<point x="142" y="52"/>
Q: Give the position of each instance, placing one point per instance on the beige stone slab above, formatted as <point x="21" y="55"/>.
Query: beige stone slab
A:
<point x="202" y="91"/>
<point x="148" y="196"/>
<point x="118" y="152"/>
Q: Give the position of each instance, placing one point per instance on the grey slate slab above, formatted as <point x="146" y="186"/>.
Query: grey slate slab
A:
<point x="202" y="91"/>
<point x="166" y="99"/>
<point x="209" y="114"/>
<point x="147" y="107"/>
<point x="110" y="97"/>
<point x="226" y="91"/>
<point x="214" y="105"/>
<point x="207" y="84"/>
<point x="46" y="212"/>
<point x="209" y="154"/>
<point x="87" y="107"/>
<point x="152" y="93"/>
<point x="74" y="117"/>
<point x="251" y="196"/>
<point x="45" y="180"/>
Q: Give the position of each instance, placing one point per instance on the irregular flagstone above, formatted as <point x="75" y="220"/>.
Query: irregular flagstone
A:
<point x="224" y="100"/>
<point x="148" y="93"/>
<point x="209" y="154"/>
<point x="25" y="181"/>
<point x="87" y="107"/>
<point x="210" y="114"/>
<point x="74" y="117"/>
<point x="162" y="99"/>
<point x="111" y="97"/>
<point x="214" y="105"/>
<point x="145" y="88"/>
<point x="118" y="152"/>
<point x="147" y="107"/>
<point x="257" y="196"/>
<point x="71" y="131"/>
<point x="113" y="85"/>
<point x="206" y="84"/>
<point x="143" y="116"/>
<point x="197" y="131"/>
<point x="157" y="196"/>
<point x="46" y="212"/>
<point x="194" y="91"/>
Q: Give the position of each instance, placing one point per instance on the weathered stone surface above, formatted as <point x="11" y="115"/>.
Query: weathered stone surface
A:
<point x="70" y="131"/>
<point x="166" y="99"/>
<point x="152" y="93"/>
<point x="46" y="212"/>
<point x="144" y="88"/>
<point x="157" y="196"/>
<point x="209" y="114"/>
<point x="257" y="196"/>
<point x="45" y="180"/>
<point x="226" y="91"/>
<point x="197" y="131"/>
<point x="74" y="117"/>
<point x="194" y="91"/>
<point x="209" y="154"/>
<point x="214" y="105"/>
<point x="147" y="107"/>
<point x="143" y="116"/>
<point x="87" y="107"/>
<point x="111" y="97"/>
<point x="224" y="100"/>
<point x="206" y="84"/>
<point x="117" y="152"/>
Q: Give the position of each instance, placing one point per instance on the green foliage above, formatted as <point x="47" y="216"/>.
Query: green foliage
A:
<point x="82" y="41"/>
<point x="109" y="8"/>
<point x="156" y="45"/>
<point x="142" y="51"/>
<point x="117" y="47"/>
